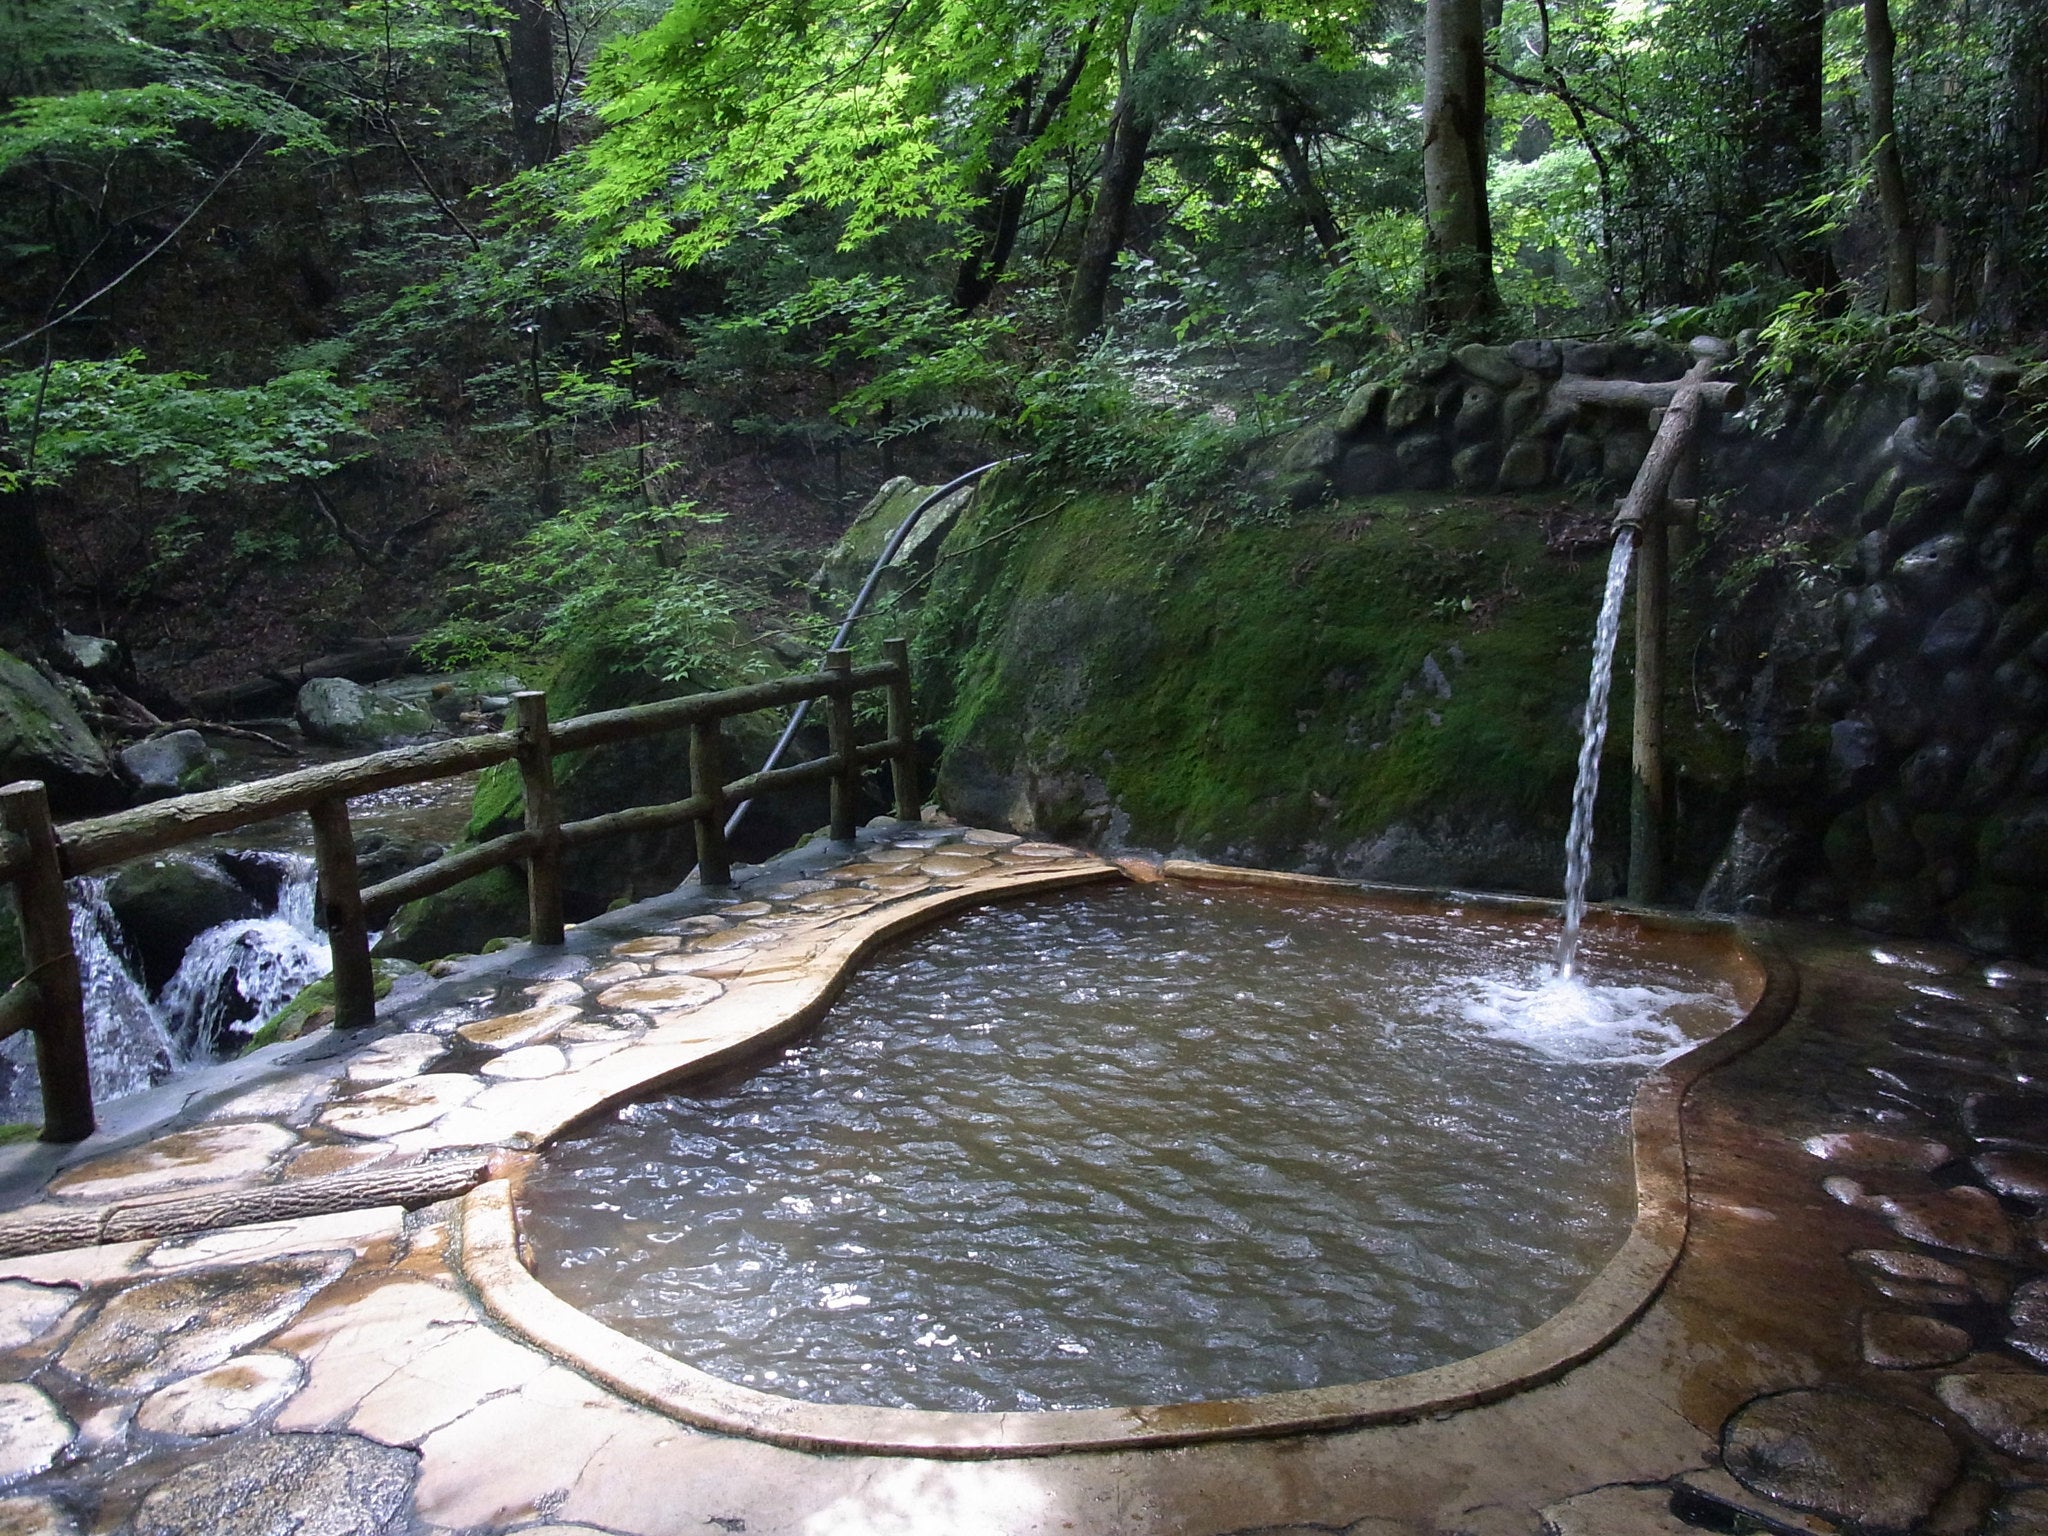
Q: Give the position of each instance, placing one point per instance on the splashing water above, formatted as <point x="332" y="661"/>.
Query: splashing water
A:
<point x="233" y="977"/>
<point x="1566" y="1019"/>
<point x="1578" y="847"/>
<point x="236" y="975"/>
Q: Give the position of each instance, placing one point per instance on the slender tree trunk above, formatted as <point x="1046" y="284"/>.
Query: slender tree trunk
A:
<point x="1109" y="221"/>
<point x="1004" y="194"/>
<point x="1301" y="181"/>
<point x="530" y="78"/>
<point x="1901" y="246"/>
<point x="999" y="210"/>
<point x="1783" y="134"/>
<point x="2019" y="157"/>
<point x="1458" y="292"/>
<point x="1116" y="193"/>
<point x="1941" y="291"/>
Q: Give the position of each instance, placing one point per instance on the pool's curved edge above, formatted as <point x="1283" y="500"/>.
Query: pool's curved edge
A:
<point x="489" y="1258"/>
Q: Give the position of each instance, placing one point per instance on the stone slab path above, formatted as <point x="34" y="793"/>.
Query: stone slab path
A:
<point x="270" y="1327"/>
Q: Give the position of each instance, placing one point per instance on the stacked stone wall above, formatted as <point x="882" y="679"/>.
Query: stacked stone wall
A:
<point x="1872" y="599"/>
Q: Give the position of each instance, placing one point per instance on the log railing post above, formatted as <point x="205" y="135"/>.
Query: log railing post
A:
<point x="52" y="964"/>
<point x="845" y="782"/>
<point x="543" y="818"/>
<point x="707" y="782"/>
<point x="341" y="914"/>
<point x="902" y="732"/>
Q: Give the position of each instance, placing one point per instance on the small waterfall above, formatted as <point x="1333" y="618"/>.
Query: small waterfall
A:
<point x="1578" y="848"/>
<point x="126" y="1040"/>
<point x="232" y="978"/>
<point x="242" y="972"/>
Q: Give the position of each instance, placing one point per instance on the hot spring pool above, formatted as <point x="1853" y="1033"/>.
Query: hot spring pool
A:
<point x="1155" y="1144"/>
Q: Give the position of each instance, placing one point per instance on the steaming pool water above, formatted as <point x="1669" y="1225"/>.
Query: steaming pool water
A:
<point x="1155" y="1144"/>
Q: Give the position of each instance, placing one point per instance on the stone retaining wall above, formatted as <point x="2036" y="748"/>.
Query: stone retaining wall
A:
<point x="1874" y="605"/>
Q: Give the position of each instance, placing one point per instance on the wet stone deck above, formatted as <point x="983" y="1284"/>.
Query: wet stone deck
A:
<point x="1851" y="1340"/>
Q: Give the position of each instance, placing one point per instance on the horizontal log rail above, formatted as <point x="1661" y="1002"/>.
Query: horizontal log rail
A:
<point x="36" y="856"/>
<point x="20" y="1006"/>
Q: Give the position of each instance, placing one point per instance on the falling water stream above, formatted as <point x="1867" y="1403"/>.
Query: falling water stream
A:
<point x="1578" y="848"/>
<point x="233" y="977"/>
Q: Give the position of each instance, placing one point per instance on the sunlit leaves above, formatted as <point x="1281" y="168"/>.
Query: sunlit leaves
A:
<point x="176" y="434"/>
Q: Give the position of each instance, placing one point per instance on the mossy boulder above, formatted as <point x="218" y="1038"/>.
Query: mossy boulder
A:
<point x="166" y="902"/>
<point x="849" y="561"/>
<point x="460" y="920"/>
<point x="1390" y="687"/>
<point x="42" y="736"/>
<point x="340" y="713"/>
<point x="648" y="771"/>
<point x="313" y="1008"/>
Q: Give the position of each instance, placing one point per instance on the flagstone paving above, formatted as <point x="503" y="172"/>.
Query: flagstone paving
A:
<point x="1850" y="1341"/>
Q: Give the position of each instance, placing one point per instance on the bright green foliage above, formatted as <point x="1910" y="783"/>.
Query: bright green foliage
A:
<point x="728" y="115"/>
<point x="89" y="126"/>
<point x="641" y="580"/>
<point x="176" y="434"/>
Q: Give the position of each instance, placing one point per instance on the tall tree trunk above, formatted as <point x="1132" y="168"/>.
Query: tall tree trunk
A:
<point x="1109" y="220"/>
<point x="1458" y="293"/>
<point x="1301" y="181"/>
<point x="1116" y="191"/>
<point x="996" y="220"/>
<point x="1901" y="246"/>
<point x="530" y="79"/>
<point x="1782" y="133"/>
<point x="1004" y="194"/>
<point x="2018" y="159"/>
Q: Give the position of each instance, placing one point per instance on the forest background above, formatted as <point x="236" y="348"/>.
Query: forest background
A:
<point x="518" y="323"/>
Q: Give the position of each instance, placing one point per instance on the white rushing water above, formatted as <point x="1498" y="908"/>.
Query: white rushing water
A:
<point x="233" y="977"/>
<point x="236" y="975"/>
<point x="1578" y="848"/>
<point x="1568" y="1019"/>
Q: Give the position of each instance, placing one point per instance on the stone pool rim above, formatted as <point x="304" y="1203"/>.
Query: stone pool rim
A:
<point x="489" y="1249"/>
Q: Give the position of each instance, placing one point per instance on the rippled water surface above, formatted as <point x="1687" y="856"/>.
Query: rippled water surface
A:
<point x="1151" y="1145"/>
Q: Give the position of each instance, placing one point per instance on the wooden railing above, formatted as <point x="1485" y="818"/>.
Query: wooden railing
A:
<point x="37" y="856"/>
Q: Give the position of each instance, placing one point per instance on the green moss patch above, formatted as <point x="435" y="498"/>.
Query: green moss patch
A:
<point x="313" y="1008"/>
<point x="1271" y="683"/>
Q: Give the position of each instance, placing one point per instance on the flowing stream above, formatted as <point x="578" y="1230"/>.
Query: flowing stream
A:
<point x="1578" y="847"/>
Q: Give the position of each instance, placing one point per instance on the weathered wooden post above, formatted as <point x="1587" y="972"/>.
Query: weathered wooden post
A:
<point x="341" y="914"/>
<point x="902" y="732"/>
<point x="846" y="781"/>
<point x="543" y="818"/>
<point x="52" y="965"/>
<point x="1648" y="506"/>
<point x="707" y="782"/>
<point x="1649" y="801"/>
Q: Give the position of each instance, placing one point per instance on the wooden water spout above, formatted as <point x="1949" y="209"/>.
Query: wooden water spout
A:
<point x="1641" y="535"/>
<point x="1649" y="508"/>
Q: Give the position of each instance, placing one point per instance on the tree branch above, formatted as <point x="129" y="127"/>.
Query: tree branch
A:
<point x="140" y="261"/>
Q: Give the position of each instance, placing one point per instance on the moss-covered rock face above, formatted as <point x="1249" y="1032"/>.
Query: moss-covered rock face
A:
<point x="849" y="561"/>
<point x="43" y="737"/>
<point x="460" y="920"/>
<point x="1389" y="688"/>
